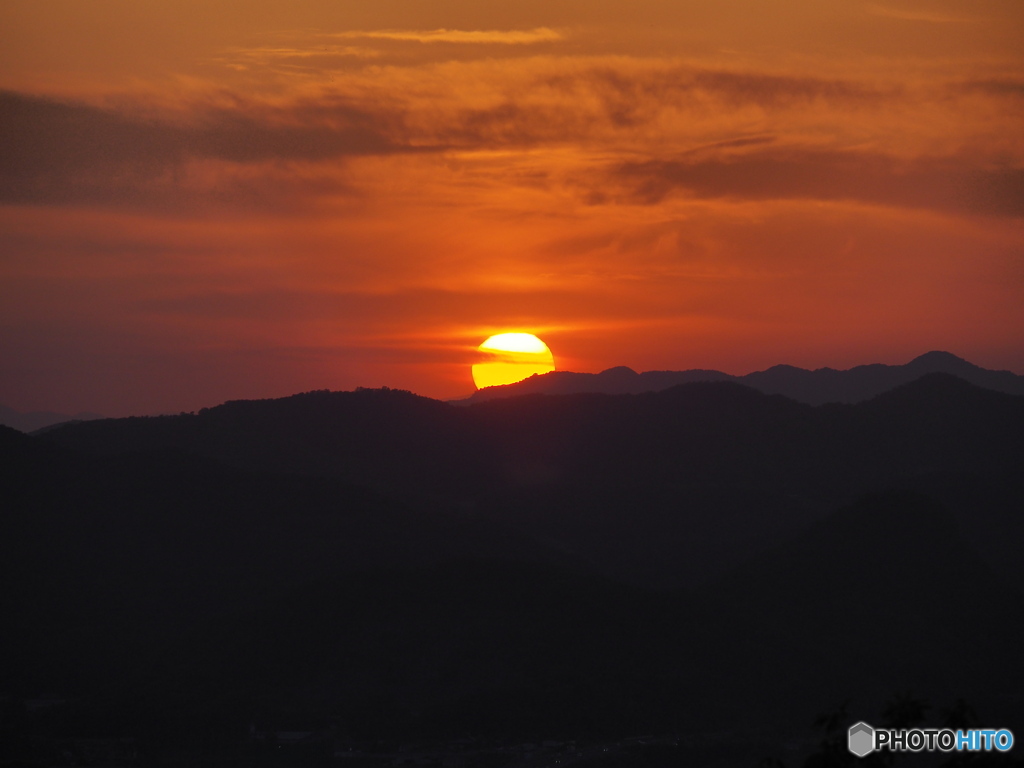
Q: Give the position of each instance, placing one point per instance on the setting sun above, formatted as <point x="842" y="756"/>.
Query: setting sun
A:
<point x="511" y="357"/>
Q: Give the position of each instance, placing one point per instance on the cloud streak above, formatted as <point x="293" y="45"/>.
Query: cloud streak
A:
<point x="460" y="36"/>
<point x="951" y="184"/>
<point x="59" y="152"/>
<point x="661" y="130"/>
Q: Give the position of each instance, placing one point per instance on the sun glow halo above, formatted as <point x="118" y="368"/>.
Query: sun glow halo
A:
<point x="511" y="357"/>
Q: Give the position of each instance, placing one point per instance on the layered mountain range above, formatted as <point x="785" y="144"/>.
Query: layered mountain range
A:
<point x="823" y="385"/>
<point x="699" y="560"/>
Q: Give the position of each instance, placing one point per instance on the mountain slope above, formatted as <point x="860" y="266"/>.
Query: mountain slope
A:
<point x="662" y="488"/>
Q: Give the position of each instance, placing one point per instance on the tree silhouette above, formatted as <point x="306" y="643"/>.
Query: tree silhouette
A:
<point x="832" y="751"/>
<point x="960" y="716"/>
<point x="904" y="711"/>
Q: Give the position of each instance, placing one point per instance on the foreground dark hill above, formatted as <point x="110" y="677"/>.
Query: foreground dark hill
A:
<point x="824" y="385"/>
<point x="701" y="560"/>
<point x="887" y="584"/>
<point x="178" y="627"/>
<point x="108" y="558"/>
<point x="511" y="648"/>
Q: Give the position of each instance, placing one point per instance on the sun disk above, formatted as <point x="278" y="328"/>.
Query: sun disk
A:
<point x="511" y="357"/>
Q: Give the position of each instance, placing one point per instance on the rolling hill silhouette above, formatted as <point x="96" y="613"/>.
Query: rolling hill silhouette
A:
<point x="590" y="566"/>
<point x="824" y="385"/>
<point x="661" y="488"/>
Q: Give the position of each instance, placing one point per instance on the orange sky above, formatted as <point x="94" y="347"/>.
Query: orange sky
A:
<point x="211" y="200"/>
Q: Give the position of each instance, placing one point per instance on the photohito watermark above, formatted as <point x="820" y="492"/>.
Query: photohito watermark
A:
<point x="863" y="739"/>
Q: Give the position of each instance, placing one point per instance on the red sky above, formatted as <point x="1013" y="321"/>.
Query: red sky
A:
<point x="212" y="200"/>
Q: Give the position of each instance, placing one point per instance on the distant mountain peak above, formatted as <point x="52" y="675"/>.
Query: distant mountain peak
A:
<point x="619" y="370"/>
<point x="787" y="367"/>
<point x="938" y="359"/>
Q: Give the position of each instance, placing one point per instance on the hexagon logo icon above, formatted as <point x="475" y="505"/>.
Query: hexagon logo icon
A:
<point x="861" y="739"/>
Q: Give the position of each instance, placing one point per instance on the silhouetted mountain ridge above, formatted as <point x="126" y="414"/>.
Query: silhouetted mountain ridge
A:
<point x="707" y="556"/>
<point x="565" y="467"/>
<point x="824" y="385"/>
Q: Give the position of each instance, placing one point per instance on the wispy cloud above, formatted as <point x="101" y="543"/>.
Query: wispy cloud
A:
<point x="291" y="52"/>
<point x="61" y="152"/>
<point x="949" y="184"/>
<point x="995" y="87"/>
<point x="478" y="36"/>
<point x="662" y="129"/>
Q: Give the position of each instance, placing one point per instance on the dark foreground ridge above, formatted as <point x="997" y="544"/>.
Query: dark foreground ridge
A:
<point x="686" y="577"/>
<point x="824" y="385"/>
